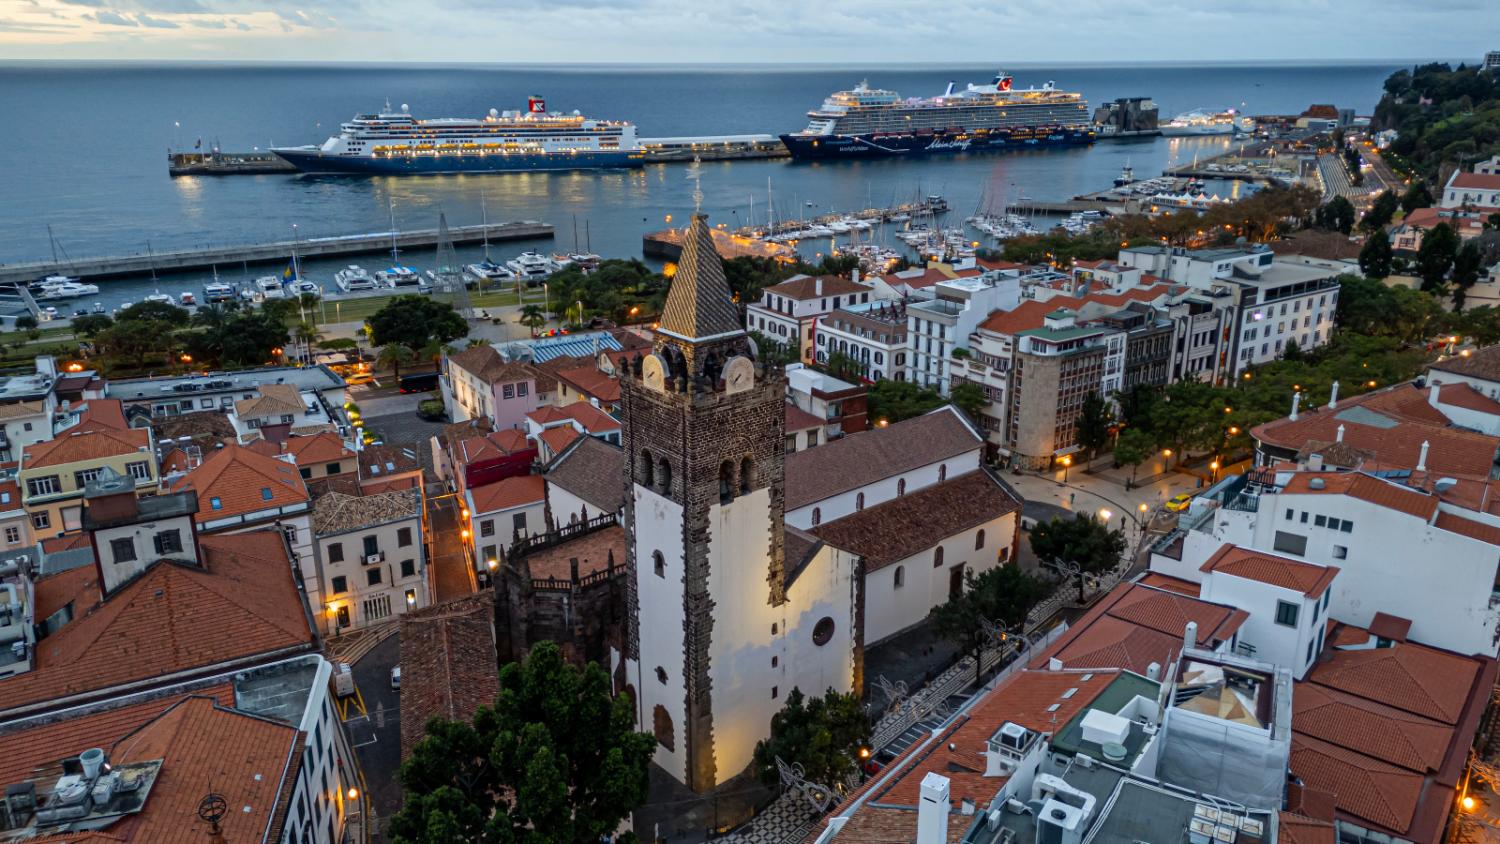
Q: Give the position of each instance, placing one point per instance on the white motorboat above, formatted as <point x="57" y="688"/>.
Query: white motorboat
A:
<point x="187" y="299"/>
<point x="586" y="260"/>
<point x="269" y="287"/>
<point x="65" y="290"/>
<point x="354" y="278"/>
<point x="531" y="266"/>
<point x="398" y="277"/>
<point x="159" y="296"/>
<point x="560" y="261"/>
<point x="302" y="285"/>
<point x="218" y="291"/>
<point x="489" y="271"/>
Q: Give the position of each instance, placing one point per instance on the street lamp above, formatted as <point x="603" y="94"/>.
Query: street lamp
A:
<point x="1067" y="461"/>
<point x="1105" y="514"/>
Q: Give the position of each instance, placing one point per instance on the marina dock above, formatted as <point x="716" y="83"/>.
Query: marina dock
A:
<point x="262" y="253"/>
<point x="226" y="163"/>
<point x="667" y="244"/>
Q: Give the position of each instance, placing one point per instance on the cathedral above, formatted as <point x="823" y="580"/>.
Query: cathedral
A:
<point x="728" y="608"/>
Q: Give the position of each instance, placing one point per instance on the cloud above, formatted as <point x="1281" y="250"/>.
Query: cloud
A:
<point x="208" y="24"/>
<point x="105" y="16"/>
<point x="154" y="23"/>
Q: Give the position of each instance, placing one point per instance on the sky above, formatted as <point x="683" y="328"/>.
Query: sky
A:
<point x="723" y="31"/>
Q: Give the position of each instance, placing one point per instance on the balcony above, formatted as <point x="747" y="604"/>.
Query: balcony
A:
<point x="377" y="557"/>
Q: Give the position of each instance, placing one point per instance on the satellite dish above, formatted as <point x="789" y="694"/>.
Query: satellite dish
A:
<point x="405" y="108"/>
<point x="494" y="114"/>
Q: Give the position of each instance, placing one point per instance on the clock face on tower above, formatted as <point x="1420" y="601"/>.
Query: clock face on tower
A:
<point x="739" y="374"/>
<point x="654" y="373"/>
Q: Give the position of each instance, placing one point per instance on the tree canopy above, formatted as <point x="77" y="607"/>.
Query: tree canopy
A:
<point x="555" y="760"/>
<point x="1003" y="595"/>
<point x="1082" y="539"/>
<point x="822" y="734"/>
<point x="1443" y="116"/>
<point x="415" y="321"/>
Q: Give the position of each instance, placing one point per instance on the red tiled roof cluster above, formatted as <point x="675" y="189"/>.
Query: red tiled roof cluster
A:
<point x="590" y="418"/>
<point x="1309" y="579"/>
<point x="868" y="456"/>
<point x="449" y="663"/>
<point x="242" y="481"/>
<point x="1136" y="625"/>
<point x="74" y="446"/>
<point x="812" y="287"/>
<point x="1032" y="312"/>
<point x="1377" y="491"/>
<point x="508" y="493"/>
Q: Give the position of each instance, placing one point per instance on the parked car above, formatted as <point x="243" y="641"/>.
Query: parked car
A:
<point x="1178" y="503"/>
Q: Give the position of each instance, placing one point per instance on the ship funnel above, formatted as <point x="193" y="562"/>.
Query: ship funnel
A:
<point x="951" y="85"/>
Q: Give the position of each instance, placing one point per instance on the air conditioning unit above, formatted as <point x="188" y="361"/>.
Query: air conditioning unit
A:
<point x="377" y="557"/>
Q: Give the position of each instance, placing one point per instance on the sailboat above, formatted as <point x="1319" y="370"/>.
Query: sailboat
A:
<point x="487" y="270"/>
<point x="397" y="275"/>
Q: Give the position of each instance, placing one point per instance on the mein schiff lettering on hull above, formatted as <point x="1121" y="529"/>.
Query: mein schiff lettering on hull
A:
<point x="395" y="142"/>
<point x="871" y="122"/>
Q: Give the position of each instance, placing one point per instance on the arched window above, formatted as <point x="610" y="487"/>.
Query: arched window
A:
<point x="979" y="540"/>
<point x="817" y="515"/>
<point x="659" y="563"/>
<point x="661" y="724"/>
<point x="664" y="472"/>
<point x="747" y="475"/>
<point x="726" y="482"/>
<point x="648" y="469"/>
<point x="943" y="472"/>
<point x="859" y="501"/>
<point x="937" y="557"/>
<point x="901" y="487"/>
<point x="900" y="576"/>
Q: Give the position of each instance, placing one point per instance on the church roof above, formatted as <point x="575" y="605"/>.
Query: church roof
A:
<point x="699" y="303"/>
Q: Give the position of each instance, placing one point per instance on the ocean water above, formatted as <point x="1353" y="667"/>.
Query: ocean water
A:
<point x="86" y="145"/>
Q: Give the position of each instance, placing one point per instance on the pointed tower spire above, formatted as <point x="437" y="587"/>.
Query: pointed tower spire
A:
<point x="699" y="304"/>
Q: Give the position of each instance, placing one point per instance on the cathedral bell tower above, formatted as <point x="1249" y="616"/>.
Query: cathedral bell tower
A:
<point x="703" y="438"/>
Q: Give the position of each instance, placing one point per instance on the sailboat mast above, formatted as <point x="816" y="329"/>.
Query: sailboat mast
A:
<point x="391" y="207"/>
<point x="484" y="225"/>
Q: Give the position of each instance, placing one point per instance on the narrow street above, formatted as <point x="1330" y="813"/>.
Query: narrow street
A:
<point x="447" y="559"/>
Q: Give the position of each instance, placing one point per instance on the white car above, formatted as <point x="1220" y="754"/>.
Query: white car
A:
<point x="396" y="678"/>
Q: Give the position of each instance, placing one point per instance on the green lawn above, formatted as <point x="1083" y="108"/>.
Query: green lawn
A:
<point x="352" y="310"/>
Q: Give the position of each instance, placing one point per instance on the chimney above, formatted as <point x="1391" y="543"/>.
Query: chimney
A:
<point x="1315" y="462"/>
<point x="1333" y="396"/>
<point x="1432" y="395"/>
<point x="854" y="276"/>
<point x="1296" y="402"/>
<point x="932" y="811"/>
<point x="1338" y="436"/>
<point x="1190" y="635"/>
<point x="817" y="285"/>
<point x="1422" y="459"/>
<point x="1153" y="671"/>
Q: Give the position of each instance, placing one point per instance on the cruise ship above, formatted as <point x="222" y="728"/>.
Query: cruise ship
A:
<point x="1205" y="122"/>
<point x="394" y="142"/>
<point x="874" y="123"/>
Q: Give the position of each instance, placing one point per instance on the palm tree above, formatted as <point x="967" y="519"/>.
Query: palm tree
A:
<point x="393" y="356"/>
<point x="533" y="318"/>
<point x="478" y="341"/>
<point x="307" y="334"/>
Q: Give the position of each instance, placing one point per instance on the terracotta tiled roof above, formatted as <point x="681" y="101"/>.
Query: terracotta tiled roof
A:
<point x="173" y="619"/>
<point x="319" y="448"/>
<point x="21" y="410"/>
<point x="274" y="400"/>
<point x="592" y="470"/>
<point x="492" y="445"/>
<point x="1475" y="181"/>
<point x="102" y="415"/>
<point x="1171" y="584"/>
<point x="1390" y="424"/>
<point x="1380" y="732"/>
<point x="1384" y="493"/>
<point x="264" y="446"/>
<point x="505" y="494"/>
<point x="1409" y="676"/>
<point x="807" y="287"/>
<point x="76" y="447"/>
<point x="1030" y="313"/>
<point x="1388" y="626"/>
<point x="590" y="381"/>
<point x="1296" y="829"/>
<point x="1464" y="396"/>
<point x="455" y="433"/>
<point x="1481" y="363"/>
<point x="1136" y="625"/>
<point x="379" y="461"/>
<point x="890" y="532"/>
<point x="1368" y="789"/>
<point x="205" y="747"/>
<point x="449" y="664"/>
<point x="46" y="744"/>
<point x="10" y="496"/>
<point x="798" y="419"/>
<point x="338" y="513"/>
<point x="485" y="363"/>
<point x="242" y="481"/>
<point x="78" y="586"/>
<point x="1024" y="698"/>
<point x="559" y="438"/>
<point x="869" y="456"/>
<point x="1468" y="527"/>
<point x="592" y="419"/>
<point x="1307" y="578"/>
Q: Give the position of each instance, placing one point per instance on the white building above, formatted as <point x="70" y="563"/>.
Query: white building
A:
<point x="1400" y="550"/>
<point x="873" y="334"/>
<point x="1287" y="600"/>
<point x="1479" y="189"/>
<point x="787" y="312"/>
<point x="370" y="557"/>
<point x="498" y="513"/>
<point x="935" y="327"/>
<point x="279" y="410"/>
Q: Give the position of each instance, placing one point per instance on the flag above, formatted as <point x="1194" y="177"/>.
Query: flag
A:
<point x="199" y="144"/>
<point x="290" y="273"/>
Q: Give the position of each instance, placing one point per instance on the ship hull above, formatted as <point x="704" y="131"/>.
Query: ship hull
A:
<point x="845" y="147"/>
<point x="316" y="161"/>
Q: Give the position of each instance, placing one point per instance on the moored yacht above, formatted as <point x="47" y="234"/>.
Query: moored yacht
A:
<point x="354" y="278"/>
<point x="398" y="277"/>
<point x="269" y="287"/>
<point x="531" y="266"/>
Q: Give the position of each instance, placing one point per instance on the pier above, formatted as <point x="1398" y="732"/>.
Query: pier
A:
<point x="667" y="244"/>
<point x="218" y="163"/>
<point x="931" y="206"/>
<point x="118" y="266"/>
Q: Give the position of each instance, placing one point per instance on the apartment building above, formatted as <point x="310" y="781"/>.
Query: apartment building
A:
<point x="478" y="383"/>
<point x="54" y="473"/>
<point x="871" y="334"/>
<point x="936" y="327"/>
<point x="788" y="312"/>
<point x="176" y="395"/>
<point x="839" y="406"/>
<point x="370" y="558"/>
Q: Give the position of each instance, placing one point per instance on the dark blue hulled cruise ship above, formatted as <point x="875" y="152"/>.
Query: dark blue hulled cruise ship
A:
<point x="536" y="139"/>
<point x="873" y="123"/>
